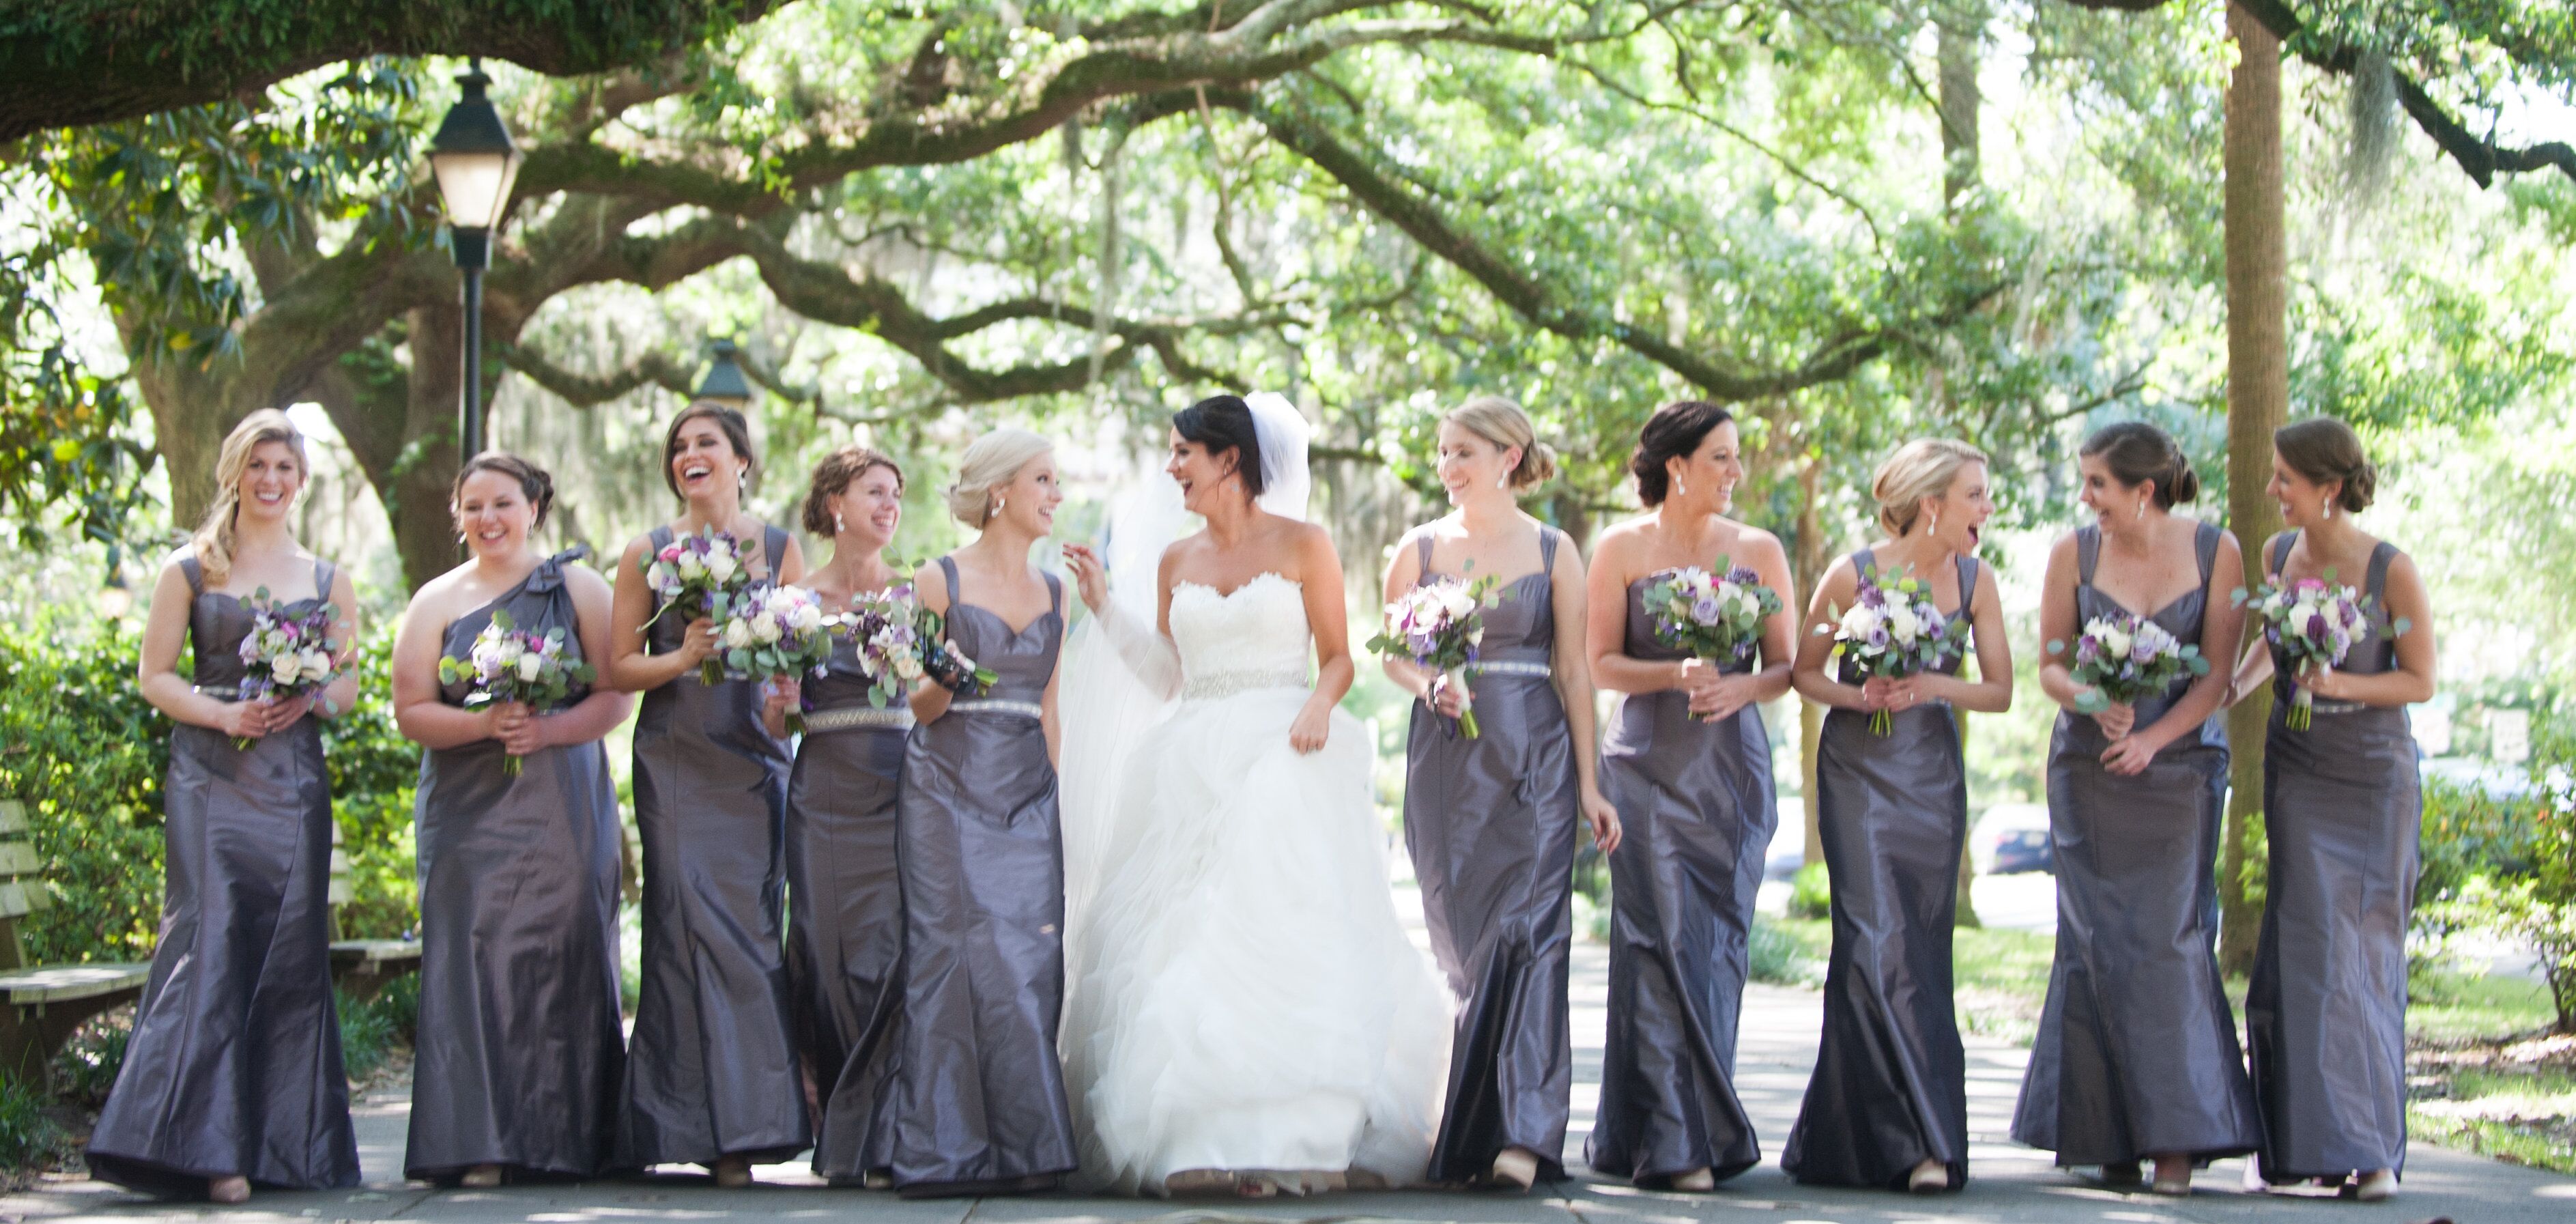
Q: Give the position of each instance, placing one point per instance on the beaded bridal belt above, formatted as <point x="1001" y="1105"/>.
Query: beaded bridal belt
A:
<point x="846" y="717"/>
<point x="993" y="705"/>
<point x="1227" y="684"/>
<point x="1506" y="667"/>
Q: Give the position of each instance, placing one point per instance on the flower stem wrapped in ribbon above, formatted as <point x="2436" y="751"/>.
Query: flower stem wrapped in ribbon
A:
<point x="1714" y="614"/>
<point x="508" y="664"/>
<point x="700" y="575"/>
<point x="2315" y="623"/>
<point x="288" y="654"/>
<point x="2124" y="658"/>
<point x="1440" y="625"/>
<point x="1892" y="630"/>
<point x="775" y="632"/>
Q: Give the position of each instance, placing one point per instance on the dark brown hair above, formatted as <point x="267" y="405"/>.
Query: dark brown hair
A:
<point x="834" y="475"/>
<point x="2136" y="451"/>
<point x="2324" y="449"/>
<point x="535" y="483"/>
<point x="737" y="433"/>
<point x="1675" y="431"/>
<point x="1223" y="423"/>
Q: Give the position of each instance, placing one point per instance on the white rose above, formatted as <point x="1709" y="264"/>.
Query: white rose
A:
<point x="658" y="575"/>
<point x="691" y="566"/>
<point x="1860" y="621"/>
<point x="736" y="635"/>
<point x="806" y="617"/>
<point x="1746" y="604"/>
<point x="766" y="627"/>
<point x="283" y="668"/>
<point x="2115" y="642"/>
<point x="529" y="666"/>
<point x="1901" y="624"/>
<point x="720" y="566"/>
<point x="907" y="668"/>
<point x="317" y="664"/>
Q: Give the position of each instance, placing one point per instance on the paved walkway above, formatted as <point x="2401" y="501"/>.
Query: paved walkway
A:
<point x="2008" y="1184"/>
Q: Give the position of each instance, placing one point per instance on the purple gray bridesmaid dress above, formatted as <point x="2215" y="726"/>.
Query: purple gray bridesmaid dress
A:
<point x="981" y="1106"/>
<point x="519" y="1049"/>
<point x="1490" y="823"/>
<point x="2136" y="1053"/>
<point x="845" y="913"/>
<point x="1695" y="803"/>
<point x="234" y="1068"/>
<point x="712" y="1069"/>
<point x="2325" y="1019"/>
<point x="1890" y="1087"/>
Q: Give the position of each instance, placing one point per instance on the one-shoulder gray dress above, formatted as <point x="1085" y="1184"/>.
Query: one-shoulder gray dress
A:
<point x="1696" y="808"/>
<point x="845" y="912"/>
<point x="2325" y="1019"/>
<point x="711" y="1068"/>
<point x="1890" y="1088"/>
<point x="234" y="1067"/>
<point x="519" y="1052"/>
<point x="1490" y="823"/>
<point x="981" y="1106"/>
<point x="2136" y="1053"/>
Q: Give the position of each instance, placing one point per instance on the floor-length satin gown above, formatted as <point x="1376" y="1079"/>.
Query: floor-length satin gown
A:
<point x="1890" y="1088"/>
<point x="1696" y="808"/>
<point x="519" y="1053"/>
<point x="1245" y="997"/>
<point x="234" y="1067"/>
<point x="845" y="912"/>
<point x="2136" y="1053"/>
<point x="1490" y="823"/>
<point x="2325" y="1020"/>
<point x="981" y="1099"/>
<point x="711" y="1068"/>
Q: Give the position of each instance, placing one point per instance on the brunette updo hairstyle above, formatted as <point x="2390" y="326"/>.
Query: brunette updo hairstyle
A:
<point x="1223" y="423"/>
<point x="2323" y="449"/>
<point x="736" y="431"/>
<point x="535" y="483"/>
<point x="1501" y="422"/>
<point x="834" y="475"/>
<point x="2136" y="451"/>
<point x="1674" y="432"/>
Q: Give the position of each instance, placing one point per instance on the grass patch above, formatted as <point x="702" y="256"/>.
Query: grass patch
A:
<point x="2521" y="1116"/>
<point x="2448" y="1008"/>
<point x="1784" y="955"/>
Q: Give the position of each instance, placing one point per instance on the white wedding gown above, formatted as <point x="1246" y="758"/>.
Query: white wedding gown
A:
<point x="1242" y="995"/>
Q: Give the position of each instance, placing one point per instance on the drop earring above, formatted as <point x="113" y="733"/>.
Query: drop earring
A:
<point x="837" y="525"/>
<point x="2142" y="509"/>
<point x="2329" y="511"/>
<point x="1936" y="522"/>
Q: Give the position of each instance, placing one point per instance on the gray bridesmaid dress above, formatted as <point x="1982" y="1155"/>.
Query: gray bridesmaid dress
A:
<point x="845" y="913"/>
<point x="711" y="1069"/>
<point x="2325" y="1019"/>
<point x="2136" y="1052"/>
<point x="1490" y="823"/>
<point x="981" y="1106"/>
<point x="1695" y="801"/>
<point x="234" y="1067"/>
<point x="1890" y="1088"/>
<point x="519" y="1051"/>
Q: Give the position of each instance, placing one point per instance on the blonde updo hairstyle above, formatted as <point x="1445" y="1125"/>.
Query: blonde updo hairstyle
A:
<point x="1501" y="422"/>
<point x="1924" y="467"/>
<point x="990" y="462"/>
<point x="214" y="538"/>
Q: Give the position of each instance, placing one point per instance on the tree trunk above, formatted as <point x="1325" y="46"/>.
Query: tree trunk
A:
<point x="1959" y="50"/>
<point x="1807" y="568"/>
<point x="2258" y="396"/>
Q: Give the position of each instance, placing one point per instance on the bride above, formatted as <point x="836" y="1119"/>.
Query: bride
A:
<point x="1245" y="1013"/>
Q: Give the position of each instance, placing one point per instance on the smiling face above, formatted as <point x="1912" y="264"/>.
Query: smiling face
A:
<point x="1957" y="518"/>
<point x="1708" y="475"/>
<point x="868" y="509"/>
<point x="1203" y="475"/>
<point x="1028" y="500"/>
<point x="1471" y="464"/>
<point x="2303" y="501"/>
<point x="704" y="463"/>
<point x="270" y="481"/>
<point x="494" y="514"/>
<point x="2108" y="499"/>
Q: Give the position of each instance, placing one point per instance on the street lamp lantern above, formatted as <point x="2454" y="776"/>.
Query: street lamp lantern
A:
<point x="724" y="382"/>
<point x="475" y="162"/>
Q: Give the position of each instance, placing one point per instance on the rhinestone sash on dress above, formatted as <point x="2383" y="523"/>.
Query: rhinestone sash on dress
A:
<point x="1229" y="683"/>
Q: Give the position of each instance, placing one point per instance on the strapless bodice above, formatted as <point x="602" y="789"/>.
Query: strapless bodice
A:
<point x="1256" y="631"/>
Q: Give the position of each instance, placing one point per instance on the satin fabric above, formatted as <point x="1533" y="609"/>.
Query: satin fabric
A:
<point x="234" y="1066"/>
<point x="1490" y="823"/>
<point x="711" y="1070"/>
<point x="981" y="1100"/>
<point x="1890" y="1088"/>
<point x="519" y="1053"/>
<point x="1696" y="807"/>
<point x="2325" y="1018"/>
<point x="2136" y="1053"/>
<point x="845" y="922"/>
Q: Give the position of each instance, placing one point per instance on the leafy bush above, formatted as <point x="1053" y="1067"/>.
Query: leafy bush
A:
<point x="90" y="1061"/>
<point x="1779" y="957"/>
<point x="1811" y="892"/>
<point x="27" y="1133"/>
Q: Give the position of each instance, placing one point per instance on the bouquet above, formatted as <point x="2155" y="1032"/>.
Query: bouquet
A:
<point x="2315" y="623"/>
<point x="701" y="575"/>
<point x="887" y="627"/>
<point x="288" y="654"/>
<point x="1439" y="625"/>
<point x="1713" y="614"/>
<point x="776" y="631"/>
<point x="508" y="664"/>
<point x="2124" y="658"/>
<point x="942" y="661"/>
<point x="1894" y="629"/>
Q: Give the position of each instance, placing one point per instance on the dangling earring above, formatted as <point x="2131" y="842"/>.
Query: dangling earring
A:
<point x="2142" y="510"/>
<point x="1936" y="522"/>
<point x="837" y="525"/>
<point x="2329" y="509"/>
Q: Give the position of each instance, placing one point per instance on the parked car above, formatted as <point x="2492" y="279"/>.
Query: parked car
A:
<point x="2020" y="850"/>
<point x="2012" y="837"/>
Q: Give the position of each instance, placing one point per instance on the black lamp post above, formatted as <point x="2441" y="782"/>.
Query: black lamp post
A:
<point x="724" y="382"/>
<point x="475" y="161"/>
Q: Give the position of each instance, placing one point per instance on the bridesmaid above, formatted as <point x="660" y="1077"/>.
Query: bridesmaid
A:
<point x="981" y="1106"/>
<point x="2326" y="1018"/>
<point x="713" y="1078"/>
<point x="520" y="1052"/>
<point x="233" y="1074"/>
<point x="845" y="897"/>
<point x="1490" y="821"/>
<point x="1888" y="1103"/>
<point x="2136" y="1054"/>
<point x="1688" y="764"/>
